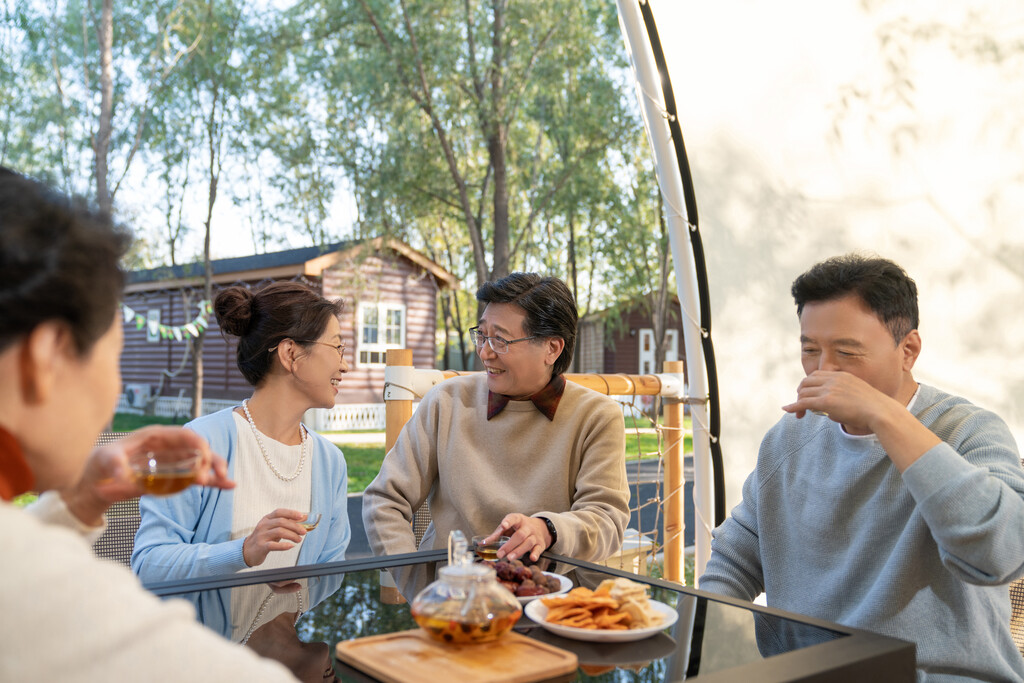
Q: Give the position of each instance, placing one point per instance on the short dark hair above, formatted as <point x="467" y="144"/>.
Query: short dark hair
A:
<point x="60" y="260"/>
<point x="549" y="306"/>
<point x="881" y="284"/>
<point x="263" y="318"/>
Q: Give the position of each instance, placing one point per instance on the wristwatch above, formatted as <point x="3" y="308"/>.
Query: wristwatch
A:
<point x="551" y="530"/>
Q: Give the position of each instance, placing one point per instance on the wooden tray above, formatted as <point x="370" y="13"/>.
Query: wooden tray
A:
<point x="409" y="656"/>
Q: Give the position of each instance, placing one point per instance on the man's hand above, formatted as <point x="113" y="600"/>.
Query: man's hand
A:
<point x="862" y="409"/>
<point x="527" y="535"/>
<point x="107" y="477"/>
<point x="280" y="530"/>
<point x="845" y="398"/>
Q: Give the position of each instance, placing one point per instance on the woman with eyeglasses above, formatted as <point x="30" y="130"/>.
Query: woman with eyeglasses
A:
<point x="291" y="349"/>
<point x="514" y="451"/>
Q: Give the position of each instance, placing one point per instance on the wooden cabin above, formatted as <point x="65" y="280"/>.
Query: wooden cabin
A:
<point x="622" y="340"/>
<point x="390" y="294"/>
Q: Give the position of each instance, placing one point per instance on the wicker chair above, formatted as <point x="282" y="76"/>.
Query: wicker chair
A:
<point x="118" y="540"/>
<point x="1017" y="616"/>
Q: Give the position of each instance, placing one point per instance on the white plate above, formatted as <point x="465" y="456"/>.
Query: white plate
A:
<point x="538" y="611"/>
<point x="566" y="585"/>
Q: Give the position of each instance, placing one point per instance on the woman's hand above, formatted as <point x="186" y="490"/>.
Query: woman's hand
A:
<point x="108" y="479"/>
<point x="280" y="530"/>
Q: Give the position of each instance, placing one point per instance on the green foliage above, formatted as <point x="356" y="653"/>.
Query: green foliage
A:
<point x="493" y="136"/>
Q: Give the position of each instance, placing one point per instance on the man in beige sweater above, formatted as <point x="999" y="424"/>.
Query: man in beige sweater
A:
<point x="517" y="451"/>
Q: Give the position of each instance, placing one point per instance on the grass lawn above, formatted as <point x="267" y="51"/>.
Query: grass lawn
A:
<point x="127" y="422"/>
<point x="363" y="462"/>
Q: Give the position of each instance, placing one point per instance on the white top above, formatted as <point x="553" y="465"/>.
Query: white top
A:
<point x="258" y="490"/>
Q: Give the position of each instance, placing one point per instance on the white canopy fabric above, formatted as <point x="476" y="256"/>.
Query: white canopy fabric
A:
<point x="657" y="103"/>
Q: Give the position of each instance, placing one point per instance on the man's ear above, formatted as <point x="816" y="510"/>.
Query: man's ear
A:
<point x="554" y="349"/>
<point x="911" y="346"/>
<point x="41" y="360"/>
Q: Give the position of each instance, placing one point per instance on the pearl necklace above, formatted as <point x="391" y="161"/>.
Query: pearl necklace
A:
<point x="263" y="449"/>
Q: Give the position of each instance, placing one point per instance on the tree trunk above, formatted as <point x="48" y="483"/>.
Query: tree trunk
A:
<point x="496" y="131"/>
<point x="101" y="140"/>
<point x="659" y="308"/>
<point x="213" y="140"/>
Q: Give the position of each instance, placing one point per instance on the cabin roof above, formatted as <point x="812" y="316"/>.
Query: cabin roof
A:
<point x="308" y="261"/>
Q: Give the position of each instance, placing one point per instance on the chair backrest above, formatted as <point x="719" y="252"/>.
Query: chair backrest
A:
<point x="1017" y="616"/>
<point x="420" y="521"/>
<point x="118" y="540"/>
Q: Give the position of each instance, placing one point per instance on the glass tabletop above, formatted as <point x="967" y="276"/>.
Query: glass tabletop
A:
<point x="298" y="615"/>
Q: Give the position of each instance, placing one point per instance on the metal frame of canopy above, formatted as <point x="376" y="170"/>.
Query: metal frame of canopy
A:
<point x="658" y="106"/>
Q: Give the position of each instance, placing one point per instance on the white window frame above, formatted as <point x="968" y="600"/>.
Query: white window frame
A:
<point x="645" y="365"/>
<point x="372" y="354"/>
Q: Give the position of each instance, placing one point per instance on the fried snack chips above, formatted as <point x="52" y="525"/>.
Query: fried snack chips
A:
<point x="616" y="605"/>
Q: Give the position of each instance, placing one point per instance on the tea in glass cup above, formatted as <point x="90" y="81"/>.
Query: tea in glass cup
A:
<point x="310" y="522"/>
<point x="488" y="551"/>
<point x="165" y="472"/>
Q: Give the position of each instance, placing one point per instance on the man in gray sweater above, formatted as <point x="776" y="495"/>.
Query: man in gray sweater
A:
<point x="878" y="502"/>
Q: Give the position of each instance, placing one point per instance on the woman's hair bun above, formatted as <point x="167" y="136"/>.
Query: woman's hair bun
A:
<point x="234" y="310"/>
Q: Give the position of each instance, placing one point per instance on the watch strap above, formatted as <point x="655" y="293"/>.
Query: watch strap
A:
<point x="551" y="530"/>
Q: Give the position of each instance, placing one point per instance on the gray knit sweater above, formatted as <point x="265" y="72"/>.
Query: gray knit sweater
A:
<point x="828" y="527"/>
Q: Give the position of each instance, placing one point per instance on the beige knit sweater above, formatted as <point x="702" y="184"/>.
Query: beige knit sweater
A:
<point x="473" y="471"/>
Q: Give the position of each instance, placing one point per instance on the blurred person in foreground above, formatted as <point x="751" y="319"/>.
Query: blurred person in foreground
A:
<point x="290" y="350"/>
<point x="878" y="502"/>
<point x="515" y="450"/>
<point x="67" y="614"/>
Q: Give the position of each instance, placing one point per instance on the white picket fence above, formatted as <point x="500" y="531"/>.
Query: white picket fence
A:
<point x="341" y="418"/>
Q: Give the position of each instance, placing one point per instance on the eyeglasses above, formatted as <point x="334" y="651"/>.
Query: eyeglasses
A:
<point x="340" y="348"/>
<point x="498" y="345"/>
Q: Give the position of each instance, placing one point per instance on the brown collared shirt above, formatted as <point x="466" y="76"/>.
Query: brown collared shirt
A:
<point x="546" y="399"/>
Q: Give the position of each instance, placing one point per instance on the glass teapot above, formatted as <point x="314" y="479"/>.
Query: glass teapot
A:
<point x="466" y="604"/>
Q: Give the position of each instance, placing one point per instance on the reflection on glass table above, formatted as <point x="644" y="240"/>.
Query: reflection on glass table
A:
<point x="299" y="614"/>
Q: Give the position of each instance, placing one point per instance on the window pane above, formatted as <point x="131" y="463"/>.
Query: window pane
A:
<point x="371" y="331"/>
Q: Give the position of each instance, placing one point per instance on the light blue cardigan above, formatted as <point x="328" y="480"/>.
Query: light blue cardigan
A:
<point x="189" y="535"/>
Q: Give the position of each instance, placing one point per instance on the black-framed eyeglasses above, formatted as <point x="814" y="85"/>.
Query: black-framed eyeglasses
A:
<point x="498" y="345"/>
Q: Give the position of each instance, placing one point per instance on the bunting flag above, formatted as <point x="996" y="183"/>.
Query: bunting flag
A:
<point x="172" y="332"/>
